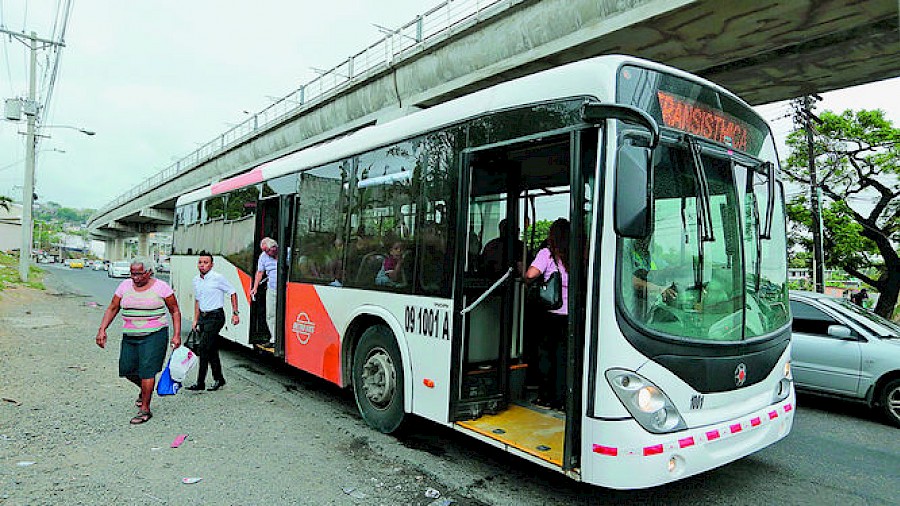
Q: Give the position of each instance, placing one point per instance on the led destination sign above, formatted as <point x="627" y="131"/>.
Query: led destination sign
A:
<point x="701" y="120"/>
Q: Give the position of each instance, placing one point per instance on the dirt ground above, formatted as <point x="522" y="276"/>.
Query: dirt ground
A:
<point x="271" y="436"/>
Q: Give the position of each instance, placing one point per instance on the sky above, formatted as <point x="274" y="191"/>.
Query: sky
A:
<point x="156" y="80"/>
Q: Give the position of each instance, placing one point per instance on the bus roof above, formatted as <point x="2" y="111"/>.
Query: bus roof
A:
<point x="570" y="80"/>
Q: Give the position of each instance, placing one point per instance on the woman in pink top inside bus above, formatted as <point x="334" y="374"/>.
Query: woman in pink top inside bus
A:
<point x="144" y="301"/>
<point x="552" y="341"/>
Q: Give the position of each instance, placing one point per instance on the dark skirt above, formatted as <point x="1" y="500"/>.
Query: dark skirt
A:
<point x="143" y="356"/>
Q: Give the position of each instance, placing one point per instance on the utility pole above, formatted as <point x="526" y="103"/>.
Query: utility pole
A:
<point x="31" y="113"/>
<point x="815" y="201"/>
<point x="28" y="187"/>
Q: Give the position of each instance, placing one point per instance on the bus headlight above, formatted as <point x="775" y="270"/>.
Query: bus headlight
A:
<point x="649" y="406"/>
<point x="650" y="400"/>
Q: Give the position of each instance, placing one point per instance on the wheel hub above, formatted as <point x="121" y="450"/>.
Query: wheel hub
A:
<point x="893" y="400"/>
<point x="379" y="378"/>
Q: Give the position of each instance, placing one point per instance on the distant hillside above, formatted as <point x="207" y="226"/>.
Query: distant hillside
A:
<point x="53" y="212"/>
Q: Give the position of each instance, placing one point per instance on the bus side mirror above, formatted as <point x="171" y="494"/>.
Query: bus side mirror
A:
<point x="634" y="184"/>
<point x="633" y="195"/>
<point x="593" y="112"/>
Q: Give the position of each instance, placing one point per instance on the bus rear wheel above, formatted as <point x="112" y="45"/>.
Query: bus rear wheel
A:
<point x="378" y="379"/>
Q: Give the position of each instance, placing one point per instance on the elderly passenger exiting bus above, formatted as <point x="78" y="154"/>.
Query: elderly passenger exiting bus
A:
<point x="268" y="266"/>
<point x="143" y="300"/>
<point x="552" y="342"/>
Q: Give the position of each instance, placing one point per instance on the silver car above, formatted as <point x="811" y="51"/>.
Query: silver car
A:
<point x="120" y="269"/>
<point x="841" y="349"/>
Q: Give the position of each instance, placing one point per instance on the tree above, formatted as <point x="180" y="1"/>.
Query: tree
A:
<point x="857" y="156"/>
<point x="541" y="231"/>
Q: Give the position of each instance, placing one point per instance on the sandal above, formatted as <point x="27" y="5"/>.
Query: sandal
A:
<point x="141" y="417"/>
<point x="138" y="403"/>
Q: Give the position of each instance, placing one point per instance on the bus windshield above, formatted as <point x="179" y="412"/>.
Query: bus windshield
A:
<point x="714" y="266"/>
<point x="705" y="272"/>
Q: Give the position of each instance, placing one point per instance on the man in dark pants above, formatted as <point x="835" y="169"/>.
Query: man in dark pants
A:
<point x="210" y="290"/>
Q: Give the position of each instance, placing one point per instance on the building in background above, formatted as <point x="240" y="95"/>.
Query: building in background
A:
<point x="10" y="227"/>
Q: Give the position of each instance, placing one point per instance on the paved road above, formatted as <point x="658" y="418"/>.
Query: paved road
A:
<point x="838" y="453"/>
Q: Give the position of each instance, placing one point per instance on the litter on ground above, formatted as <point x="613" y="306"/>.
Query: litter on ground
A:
<point x="178" y="440"/>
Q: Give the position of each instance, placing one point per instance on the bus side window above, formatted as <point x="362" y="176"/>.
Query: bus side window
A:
<point x="438" y="158"/>
<point x="384" y="215"/>
<point x="238" y="227"/>
<point x="321" y="217"/>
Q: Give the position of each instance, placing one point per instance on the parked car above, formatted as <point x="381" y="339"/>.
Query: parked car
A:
<point x="841" y="349"/>
<point x="76" y="263"/>
<point x="120" y="269"/>
<point x="98" y="266"/>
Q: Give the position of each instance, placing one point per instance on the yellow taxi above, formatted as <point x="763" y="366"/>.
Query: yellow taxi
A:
<point x="77" y="263"/>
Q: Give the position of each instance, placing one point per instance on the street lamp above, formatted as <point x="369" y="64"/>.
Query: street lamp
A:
<point x="28" y="187"/>
<point x="82" y="130"/>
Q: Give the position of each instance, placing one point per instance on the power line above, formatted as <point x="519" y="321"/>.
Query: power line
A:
<point x="58" y="48"/>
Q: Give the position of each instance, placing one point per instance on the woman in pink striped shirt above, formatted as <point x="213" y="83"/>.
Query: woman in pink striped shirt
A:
<point x="144" y="301"/>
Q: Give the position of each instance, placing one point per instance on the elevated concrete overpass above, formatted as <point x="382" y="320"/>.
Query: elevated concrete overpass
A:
<point x="764" y="51"/>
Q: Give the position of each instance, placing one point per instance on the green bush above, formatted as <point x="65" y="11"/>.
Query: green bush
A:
<point x="9" y="273"/>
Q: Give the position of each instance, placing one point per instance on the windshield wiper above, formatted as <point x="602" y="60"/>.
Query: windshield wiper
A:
<point x="766" y="232"/>
<point x="703" y="201"/>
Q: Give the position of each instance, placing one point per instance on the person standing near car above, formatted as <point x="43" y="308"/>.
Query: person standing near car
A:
<point x="267" y="266"/>
<point x="143" y="300"/>
<point x="210" y="291"/>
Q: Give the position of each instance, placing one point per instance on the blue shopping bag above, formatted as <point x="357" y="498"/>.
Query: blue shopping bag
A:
<point x="166" y="385"/>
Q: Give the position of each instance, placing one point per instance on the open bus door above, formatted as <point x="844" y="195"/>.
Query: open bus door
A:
<point x="489" y="315"/>
<point x="274" y="219"/>
<point x="523" y="183"/>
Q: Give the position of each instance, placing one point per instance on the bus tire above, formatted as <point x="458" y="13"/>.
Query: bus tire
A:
<point x="378" y="379"/>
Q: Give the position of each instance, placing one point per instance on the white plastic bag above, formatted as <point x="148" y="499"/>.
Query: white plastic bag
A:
<point x="182" y="360"/>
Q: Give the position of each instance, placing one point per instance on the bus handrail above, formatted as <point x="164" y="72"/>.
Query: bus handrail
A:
<point x="487" y="292"/>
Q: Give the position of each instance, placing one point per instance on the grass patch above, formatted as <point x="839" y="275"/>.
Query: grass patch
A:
<point x="9" y="273"/>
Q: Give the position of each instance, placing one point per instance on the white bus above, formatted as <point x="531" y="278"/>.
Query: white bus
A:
<point x="677" y="340"/>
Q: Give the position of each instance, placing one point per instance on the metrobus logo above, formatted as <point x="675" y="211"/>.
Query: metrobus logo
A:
<point x="303" y="327"/>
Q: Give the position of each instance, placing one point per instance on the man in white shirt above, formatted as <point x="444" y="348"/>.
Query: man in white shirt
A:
<point x="210" y="291"/>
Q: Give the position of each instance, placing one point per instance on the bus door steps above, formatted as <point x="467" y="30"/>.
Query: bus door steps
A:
<point x="533" y="431"/>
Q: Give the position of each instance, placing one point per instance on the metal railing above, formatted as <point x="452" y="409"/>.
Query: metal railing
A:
<point x="413" y="37"/>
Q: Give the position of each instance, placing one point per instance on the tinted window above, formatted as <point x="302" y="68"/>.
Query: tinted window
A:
<point x="283" y="185"/>
<point x="381" y="251"/>
<point x="241" y="203"/>
<point x="809" y="320"/>
<point x="215" y="208"/>
<point x="238" y="226"/>
<point x="321" y="225"/>
<point x="516" y="123"/>
<point x="439" y="159"/>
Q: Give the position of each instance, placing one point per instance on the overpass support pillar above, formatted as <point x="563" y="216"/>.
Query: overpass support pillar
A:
<point x="143" y="245"/>
<point x="118" y="249"/>
<point x="108" y="249"/>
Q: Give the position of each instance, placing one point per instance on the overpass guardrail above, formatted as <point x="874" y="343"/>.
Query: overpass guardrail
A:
<point x="436" y="24"/>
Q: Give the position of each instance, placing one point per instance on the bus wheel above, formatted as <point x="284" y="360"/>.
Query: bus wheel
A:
<point x="378" y="379"/>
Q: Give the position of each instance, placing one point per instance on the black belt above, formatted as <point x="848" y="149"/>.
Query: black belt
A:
<point x="213" y="312"/>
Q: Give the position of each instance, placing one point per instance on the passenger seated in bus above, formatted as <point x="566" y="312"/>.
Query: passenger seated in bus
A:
<point x="492" y="261"/>
<point x="333" y="265"/>
<point x="391" y="270"/>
